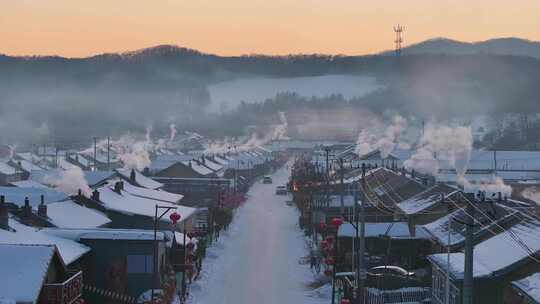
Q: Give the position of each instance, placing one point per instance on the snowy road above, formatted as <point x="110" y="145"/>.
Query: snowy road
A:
<point x="256" y="260"/>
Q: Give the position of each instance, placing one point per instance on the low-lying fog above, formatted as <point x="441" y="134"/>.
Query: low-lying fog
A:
<point x="227" y="95"/>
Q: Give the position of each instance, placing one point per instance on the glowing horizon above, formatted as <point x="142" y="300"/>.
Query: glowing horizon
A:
<point x="235" y="27"/>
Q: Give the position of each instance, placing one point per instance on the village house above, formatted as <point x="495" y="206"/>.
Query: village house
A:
<point x="121" y="264"/>
<point x="492" y="218"/>
<point x="9" y="174"/>
<point x="390" y="243"/>
<point x="493" y="269"/>
<point x="127" y="210"/>
<point x="37" y="274"/>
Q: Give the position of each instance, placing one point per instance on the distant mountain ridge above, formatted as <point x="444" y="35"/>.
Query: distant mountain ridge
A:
<point x="498" y="46"/>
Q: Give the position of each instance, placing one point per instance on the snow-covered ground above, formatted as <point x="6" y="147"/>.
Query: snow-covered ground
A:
<point x="257" y="259"/>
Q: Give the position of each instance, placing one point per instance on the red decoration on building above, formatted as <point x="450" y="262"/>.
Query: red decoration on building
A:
<point x="329" y="261"/>
<point x="322" y="226"/>
<point x="328" y="272"/>
<point x="175" y="217"/>
<point x="345" y="301"/>
<point x="329" y="239"/>
<point x="337" y="221"/>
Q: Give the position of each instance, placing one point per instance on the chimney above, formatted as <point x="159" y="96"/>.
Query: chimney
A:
<point x="190" y="165"/>
<point x="132" y="176"/>
<point x="203" y="161"/>
<point x="146" y="171"/>
<point x="79" y="193"/>
<point x="118" y="187"/>
<point x="412" y="173"/>
<point x="95" y="195"/>
<point x="4" y="216"/>
<point x="42" y="208"/>
<point x="27" y="209"/>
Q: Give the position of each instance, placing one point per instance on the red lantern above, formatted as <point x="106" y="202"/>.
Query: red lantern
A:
<point x="329" y="261"/>
<point x="324" y="244"/>
<point x="322" y="226"/>
<point x="329" y="239"/>
<point x="175" y="217"/>
<point x="328" y="272"/>
<point x="345" y="301"/>
<point x="337" y="221"/>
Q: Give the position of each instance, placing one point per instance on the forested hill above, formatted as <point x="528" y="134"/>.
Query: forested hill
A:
<point x="111" y="92"/>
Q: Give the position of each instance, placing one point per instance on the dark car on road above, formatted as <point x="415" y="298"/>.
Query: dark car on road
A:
<point x="267" y="180"/>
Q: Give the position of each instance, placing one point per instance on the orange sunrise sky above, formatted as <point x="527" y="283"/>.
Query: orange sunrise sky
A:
<point x="76" y="28"/>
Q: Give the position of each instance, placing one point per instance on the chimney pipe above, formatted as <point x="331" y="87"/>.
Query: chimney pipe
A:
<point x="132" y="176"/>
<point x="95" y="195"/>
<point x="4" y="216"/>
<point x="42" y="208"/>
<point x="27" y="209"/>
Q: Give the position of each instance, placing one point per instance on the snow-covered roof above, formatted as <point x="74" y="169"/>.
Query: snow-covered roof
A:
<point x="530" y="285"/>
<point x="7" y="169"/>
<point x="496" y="255"/>
<point x="214" y="166"/>
<point x="490" y="212"/>
<point x="64" y="164"/>
<point x="105" y="234"/>
<point x="426" y="198"/>
<point x="395" y="230"/>
<point x="130" y="204"/>
<point x="28" y="166"/>
<point x="22" y="234"/>
<point x="140" y="179"/>
<point x="479" y="176"/>
<point x="29" y="156"/>
<point x="68" y="214"/>
<point x="24" y="269"/>
<point x="199" y="168"/>
<point x="96" y="177"/>
<point x="157" y="195"/>
<point x="29" y="184"/>
<point x="17" y="195"/>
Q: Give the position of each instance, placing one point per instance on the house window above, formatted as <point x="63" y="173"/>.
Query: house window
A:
<point x="140" y="264"/>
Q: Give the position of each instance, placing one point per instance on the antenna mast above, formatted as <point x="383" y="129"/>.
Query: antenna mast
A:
<point x="399" y="38"/>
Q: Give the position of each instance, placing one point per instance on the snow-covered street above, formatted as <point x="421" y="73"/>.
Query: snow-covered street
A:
<point x="257" y="259"/>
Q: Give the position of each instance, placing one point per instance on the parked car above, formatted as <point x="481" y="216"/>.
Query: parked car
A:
<point x="391" y="277"/>
<point x="267" y="180"/>
<point x="289" y="203"/>
<point x="281" y="190"/>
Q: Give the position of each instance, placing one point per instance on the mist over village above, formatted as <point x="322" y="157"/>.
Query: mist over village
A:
<point x="269" y="152"/>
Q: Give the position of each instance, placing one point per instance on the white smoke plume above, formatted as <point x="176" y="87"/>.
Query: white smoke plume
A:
<point x="136" y="156"/>
<point x="70" y="181"/>
<point x="389" y="141"/>
<point x="280" y="131"/>
<point x="365" y="143"/>
<point x="12" y="149"/>
<point x="442" y="143"/>
<point x="491" y="187"/>
<point x="172" y="135"/>
<point x="532" y="193"/>
<point x="368" y="140"/>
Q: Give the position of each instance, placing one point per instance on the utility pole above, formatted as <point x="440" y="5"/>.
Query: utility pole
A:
<point x="361" y="268"/>
<point x="95" y="153"/>
<point x="108" y="153"/>
<point x="342" y="188"/>
<point x="495" y="161"/>
<point x="469" y="252"/>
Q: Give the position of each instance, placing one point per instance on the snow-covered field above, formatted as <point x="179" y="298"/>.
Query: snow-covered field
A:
<point x="257" y="259"/>
<point x="231" y="93"/>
